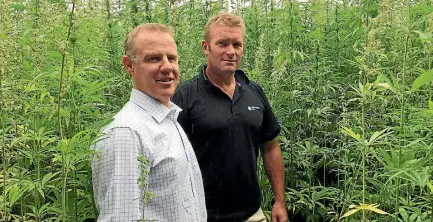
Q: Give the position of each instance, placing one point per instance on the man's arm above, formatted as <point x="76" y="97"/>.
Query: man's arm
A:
<point x="274" y="167"/>
<point x="115" y="172"/>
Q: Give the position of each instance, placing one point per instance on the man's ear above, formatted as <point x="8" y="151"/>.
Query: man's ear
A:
<point x="205" y="47"/>
<point x="127" y="63"/>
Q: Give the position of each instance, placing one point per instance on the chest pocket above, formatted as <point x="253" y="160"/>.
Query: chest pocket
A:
<point x="250" y="115"/>
<point x="249" y="111"/>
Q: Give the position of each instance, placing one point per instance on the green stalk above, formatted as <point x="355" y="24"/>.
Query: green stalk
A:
<point x="64" y="177"/>
<point x="337" y="30"/>
<point x="110" y="40"/>
<point x="402" y="109"/>
<point x="76" y="121"/>
<point x="34" y="141"/>
<point x="289" y="71"/>
<point x="61" y="137"/>
<point x="75" y="196"/>
<point x="35" y="144"/>
<point x="191" y="9"/>
<point x="310" y="177"/>
<point x="5" y="158"/>
<point x="134" y="12"/>
<point x="431" y="202"/>
<point x="363" y="152"/>
<point x="167" y="9"/>
<point x="338" y="68"/>
<point x="36" y="13"/>
<point x="291" y="25"/>
<point x="327" y="20"/>
<point x="148" y="11"/>
<point x="256" y="22"/>
<point x="430" y="88"/>
<point x="64" y="170"/>
<point x="20" y="165"/>
<point x="272" y="27"/>
<point x="95" y="209"/>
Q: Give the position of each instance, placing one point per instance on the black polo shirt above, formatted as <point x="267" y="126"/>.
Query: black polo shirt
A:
<point x="225" y="135"/>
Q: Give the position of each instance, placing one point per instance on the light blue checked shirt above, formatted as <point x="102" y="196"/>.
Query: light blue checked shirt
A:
<point x="144" y="126"/>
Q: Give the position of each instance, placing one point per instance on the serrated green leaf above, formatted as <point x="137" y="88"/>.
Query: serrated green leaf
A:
<point x="48" y="177"/>
<point x="378" y="135"/>
<point x="425" y="78"/>
<point x="350" y="133"/>
<point x="41" y="192"/>
<point x="350" y="212"/>
<point x="372" y="207"/>
<point x="430" y="186"/>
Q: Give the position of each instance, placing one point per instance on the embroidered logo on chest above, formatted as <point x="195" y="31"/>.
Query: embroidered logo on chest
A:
<point x="252" y="108"/>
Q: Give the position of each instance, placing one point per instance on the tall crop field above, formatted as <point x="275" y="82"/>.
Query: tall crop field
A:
<point x="350" y="82"/>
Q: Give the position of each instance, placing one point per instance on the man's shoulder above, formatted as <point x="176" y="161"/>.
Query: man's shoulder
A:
<point x="256" y="87"/>
<point x="186" y="91"/>
<point x="187" y="84"/>
<point x="243" y="77"/>
<point x="253" y="83"/>
<point x="128" y="117"/>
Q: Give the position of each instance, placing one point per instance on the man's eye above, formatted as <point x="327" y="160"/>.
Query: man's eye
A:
<point x="152" y="59"/>
<point x="222" y="44"/>
<point x="237" y="45"/>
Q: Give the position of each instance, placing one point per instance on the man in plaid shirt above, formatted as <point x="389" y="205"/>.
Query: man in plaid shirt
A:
<point x="147" y="129"/>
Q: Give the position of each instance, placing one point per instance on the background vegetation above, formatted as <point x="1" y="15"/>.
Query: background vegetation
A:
<point x="350" y="81"/>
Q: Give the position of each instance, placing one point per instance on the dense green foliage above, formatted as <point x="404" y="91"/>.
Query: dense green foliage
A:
<point x="350" y="81"/>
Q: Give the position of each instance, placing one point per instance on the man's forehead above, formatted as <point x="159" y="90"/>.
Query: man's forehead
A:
<point x="153" y="42"/>
<point x="224" y="30"/>
<point x="154" y="36"/>
<point x="152" y="52"/>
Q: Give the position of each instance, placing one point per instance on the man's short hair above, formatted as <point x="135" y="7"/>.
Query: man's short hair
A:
<point x="129" y="46"/>
<point x="226" y="19"/>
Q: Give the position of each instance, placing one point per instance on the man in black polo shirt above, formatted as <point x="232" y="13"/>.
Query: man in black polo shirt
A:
<point x="227" y="117"/>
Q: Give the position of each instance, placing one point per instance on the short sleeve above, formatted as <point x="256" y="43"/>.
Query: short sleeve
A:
<point x="270" y="125"/>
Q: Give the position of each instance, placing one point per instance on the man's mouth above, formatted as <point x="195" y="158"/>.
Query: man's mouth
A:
<point x="164" y="80"/>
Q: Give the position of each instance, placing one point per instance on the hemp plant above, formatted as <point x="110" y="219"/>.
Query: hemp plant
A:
<point x="366" y="93"/>
<point x="142" y="182"/>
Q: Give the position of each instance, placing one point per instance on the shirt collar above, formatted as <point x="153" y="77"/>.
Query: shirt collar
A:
<point x="240" y="76"/>
<point x="158" y="111"/>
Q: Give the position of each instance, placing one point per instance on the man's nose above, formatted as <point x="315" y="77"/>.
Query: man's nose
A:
<point x="166" y="66"/>
<point x="230" y="50"/>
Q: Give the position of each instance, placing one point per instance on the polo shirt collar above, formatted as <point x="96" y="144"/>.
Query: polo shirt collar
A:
<point x="240" y="76"/>
<point x="158" y="111"/>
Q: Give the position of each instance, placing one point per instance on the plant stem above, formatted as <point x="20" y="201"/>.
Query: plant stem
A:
<point x="363" y="150"/>
<point x="35" y="144"/>
<point x="64" y="170"/>
<point x="20" y="165"/>
<point x="64" y="177"/>
<point x="148" y="11"/>
<point x="3" y="145"/>
<point x="402" y="129"/>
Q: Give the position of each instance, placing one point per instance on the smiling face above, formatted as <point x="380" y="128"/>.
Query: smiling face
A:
<point x="155" y="69"/>
<point x="224" y="49"/>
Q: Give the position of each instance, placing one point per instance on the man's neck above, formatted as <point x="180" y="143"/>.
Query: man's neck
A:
<point x="224" y="81"/>
<point x="221" y="80"/>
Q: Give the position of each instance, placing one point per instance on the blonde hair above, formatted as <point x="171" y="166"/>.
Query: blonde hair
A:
<point x="226" y="19"/>
<point x="129" y="46"/>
